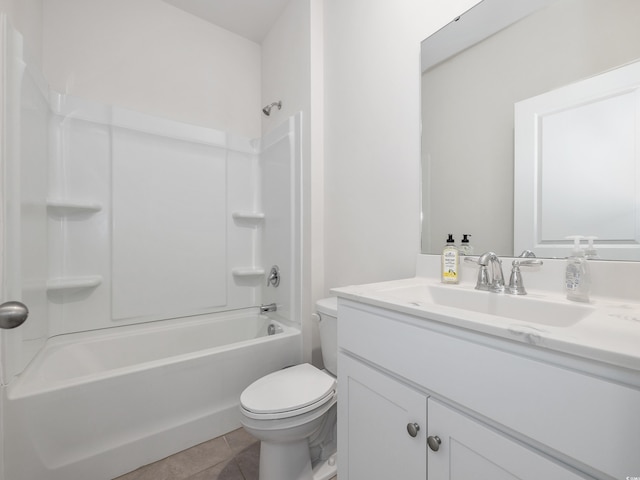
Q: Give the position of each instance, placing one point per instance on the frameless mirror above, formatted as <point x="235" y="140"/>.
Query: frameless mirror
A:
<point x="474" y="72"/>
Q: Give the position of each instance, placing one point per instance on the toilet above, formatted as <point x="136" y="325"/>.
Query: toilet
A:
<point x="293" y="412"/>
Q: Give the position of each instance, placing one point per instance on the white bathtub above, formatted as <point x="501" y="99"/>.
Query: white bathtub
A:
<point x="95" y="405"/>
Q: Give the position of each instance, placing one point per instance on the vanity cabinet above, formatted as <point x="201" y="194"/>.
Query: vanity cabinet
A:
<point x="499" y="410"/>
<point x="394" y="431"/>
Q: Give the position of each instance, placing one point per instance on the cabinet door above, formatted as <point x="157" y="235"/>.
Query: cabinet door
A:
<point x="374" y="412"/>
<point x="469" y="449"/>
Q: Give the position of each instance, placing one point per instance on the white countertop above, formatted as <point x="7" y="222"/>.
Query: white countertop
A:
<point x="605" y="330"/>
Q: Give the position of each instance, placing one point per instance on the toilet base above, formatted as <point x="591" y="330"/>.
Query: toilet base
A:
<point x="289" y="461"/>
<point x="327" y="469"/>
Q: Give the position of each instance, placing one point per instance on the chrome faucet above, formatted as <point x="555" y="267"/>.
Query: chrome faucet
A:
<point x="271" y="307"/>
<point x="490" y="276"/>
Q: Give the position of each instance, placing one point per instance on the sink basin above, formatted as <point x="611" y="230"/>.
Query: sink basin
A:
<point x="528" y="309"/>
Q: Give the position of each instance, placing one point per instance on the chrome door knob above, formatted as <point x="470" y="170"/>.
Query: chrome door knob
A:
<point x="413" y="429"/>
<point x="434" y="443"/>
<point x="13" y="314"/>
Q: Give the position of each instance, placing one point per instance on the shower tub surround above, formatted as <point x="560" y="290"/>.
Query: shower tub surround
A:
<point x="148" y="240"/>
<point x="149" y="218"/>
<point x="100" y="404"/>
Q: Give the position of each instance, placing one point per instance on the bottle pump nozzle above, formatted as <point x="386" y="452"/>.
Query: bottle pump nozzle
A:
<point x="590" y="252"/>
<point x="577" y="249"/>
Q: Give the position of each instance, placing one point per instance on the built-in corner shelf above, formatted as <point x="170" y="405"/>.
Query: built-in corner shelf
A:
<point x="73" y="283"/>
<point x="247" y="272"/>
<point x="66" y="207"/>
<point x="248" y="216"/>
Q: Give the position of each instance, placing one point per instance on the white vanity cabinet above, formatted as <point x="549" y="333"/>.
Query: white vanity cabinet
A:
<point x="500" y="410"/>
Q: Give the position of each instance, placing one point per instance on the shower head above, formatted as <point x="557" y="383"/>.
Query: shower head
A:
<point x="267" y="110"/>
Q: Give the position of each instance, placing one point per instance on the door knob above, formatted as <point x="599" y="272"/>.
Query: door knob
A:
<point x="413" y="429"/>
<point x="434" y="443"/>
<point x="13" y="314"/>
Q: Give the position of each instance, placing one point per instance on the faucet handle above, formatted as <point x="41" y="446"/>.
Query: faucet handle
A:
<point x="516" y="287"/>
<point x="274" y="276"/>
<point x="526" y="262"/>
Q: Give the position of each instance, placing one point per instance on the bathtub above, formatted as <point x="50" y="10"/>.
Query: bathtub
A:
<point x="95" y="405"/>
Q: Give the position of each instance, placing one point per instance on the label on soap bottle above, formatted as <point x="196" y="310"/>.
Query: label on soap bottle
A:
<point x="450" y="259"/>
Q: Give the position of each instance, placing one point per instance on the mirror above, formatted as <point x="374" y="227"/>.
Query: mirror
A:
<point x="475" y="70"/>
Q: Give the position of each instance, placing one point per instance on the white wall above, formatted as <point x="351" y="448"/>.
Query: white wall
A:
<point x="151" y="57"/>
<point x="292" y="72"/>
<point x="26" y="17"/>
<point x="372" y="134"/>
<point x="285" y="64"/>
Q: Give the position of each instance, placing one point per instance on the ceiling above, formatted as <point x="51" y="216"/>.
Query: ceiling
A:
<point x="250" y="19"/>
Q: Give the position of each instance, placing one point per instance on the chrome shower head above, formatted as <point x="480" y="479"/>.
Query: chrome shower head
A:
<point x="267" y="110"/>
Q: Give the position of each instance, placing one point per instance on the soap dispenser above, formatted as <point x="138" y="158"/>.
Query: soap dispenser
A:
<point x="465" y="246"/>
<point x="577" y="275"/>
<point x="450" y="261"/>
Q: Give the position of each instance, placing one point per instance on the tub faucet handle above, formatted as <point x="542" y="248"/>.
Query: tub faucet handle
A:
<point x="274" y="276"/>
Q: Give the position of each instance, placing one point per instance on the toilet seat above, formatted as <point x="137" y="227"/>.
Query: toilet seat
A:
<point x="287" y="393"/>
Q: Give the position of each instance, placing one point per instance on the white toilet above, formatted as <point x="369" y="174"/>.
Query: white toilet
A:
<point x="293" y="412"/>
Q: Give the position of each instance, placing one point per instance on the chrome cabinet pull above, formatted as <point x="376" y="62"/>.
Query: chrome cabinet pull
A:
<point x="434" y="443"/>
<point x="13" y="314"/>
<point x="413" y="429"/>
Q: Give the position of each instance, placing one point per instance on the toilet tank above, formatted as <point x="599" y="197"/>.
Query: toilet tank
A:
<point x="327" y="309"/>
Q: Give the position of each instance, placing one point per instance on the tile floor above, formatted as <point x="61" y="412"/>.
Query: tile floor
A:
<point x="233" y="456"/>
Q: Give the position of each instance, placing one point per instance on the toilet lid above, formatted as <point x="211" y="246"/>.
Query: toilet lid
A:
<point x="328" y="306"/>
<point x="288" y="390"/>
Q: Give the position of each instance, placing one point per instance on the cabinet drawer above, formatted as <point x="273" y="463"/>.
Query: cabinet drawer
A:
<point x="592" y="420"/>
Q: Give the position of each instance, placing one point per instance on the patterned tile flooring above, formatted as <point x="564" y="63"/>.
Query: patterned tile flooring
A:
<point x="233" y="456"/>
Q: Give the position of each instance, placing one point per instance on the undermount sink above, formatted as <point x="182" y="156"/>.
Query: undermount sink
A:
<point x="515" y="307"/>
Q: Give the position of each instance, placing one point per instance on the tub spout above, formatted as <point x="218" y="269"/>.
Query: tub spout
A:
<point x="272" y="307"/>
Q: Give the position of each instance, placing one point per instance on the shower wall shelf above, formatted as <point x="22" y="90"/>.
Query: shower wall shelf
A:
<point x="66" y="207"/>
<point x="73" y="283"/>
<point x="247" y="272"/>
<point x="248" y="216"/>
